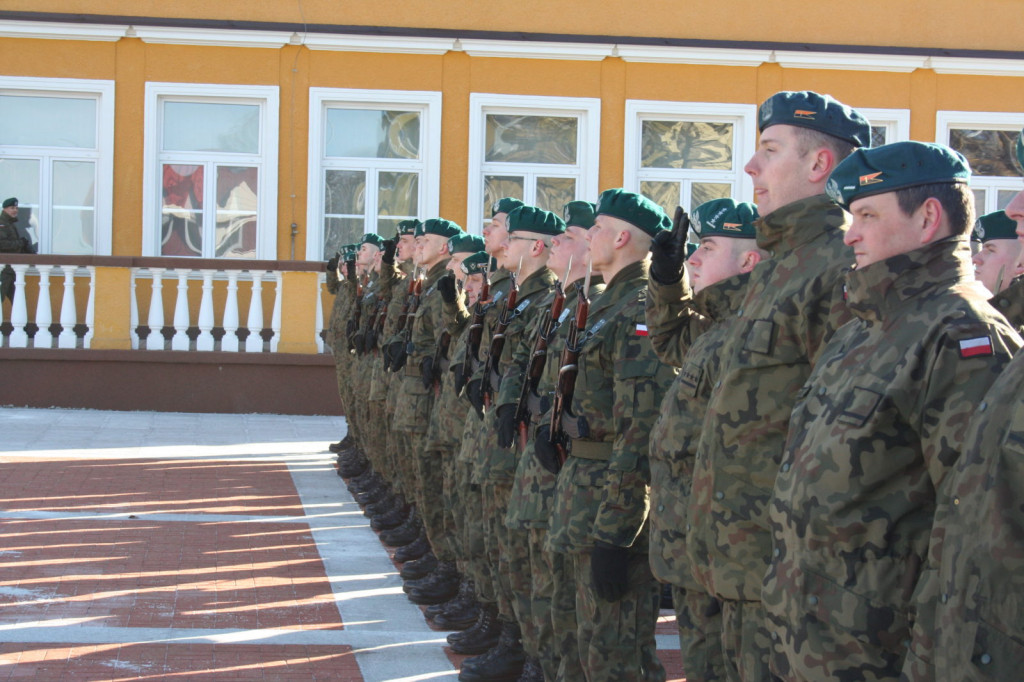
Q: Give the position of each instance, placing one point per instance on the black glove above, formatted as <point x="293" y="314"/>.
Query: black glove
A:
<point x="386" y="354"/>
<point x="668" y="250"/>
<point x="351" y="328"/>
<point x="388" y="256"/>
<point x="350" y="270"/>
<point x="359" y="342"/>
<point x="609" y="571"/>
<point x="427" y="372"/>
<point x="460" y="378"/>
<point x="398" y="355"/>
<point x="332" y="265"/>
<point x="506" y="425"/>
<point x="371" y="339"/>
<point x="475" y="393"/>
<point x="446" y="285"/>
<point x="546" y="451"/>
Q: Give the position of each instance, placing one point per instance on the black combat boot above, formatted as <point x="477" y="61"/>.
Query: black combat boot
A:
<point x="503" y="663"/>
<point x="419" y="568"/>
<point x="353" y="466"/>
<point x="532" y="672"/>
<point x="414" y="550"/>
<point x="481" y="637"/>
<point x="444" y="586"/>
<point x="342" y="445"/>
<point x="404" y="534"/>
<point x="363" y="481"/>
<point x="459" y="613"/>
<point x="386" y="504"/>
<point x="374" y="492"/>
<point x="391" y="518"/>
<point x="435" y="610"/>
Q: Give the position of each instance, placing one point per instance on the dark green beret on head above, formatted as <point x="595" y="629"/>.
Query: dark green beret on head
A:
<point x="579" y="214"/>
<point x="823" y="113"/>
<point x="724" y="218"/>
<point x="996" y="225"/>
<point x="533" y="219"/>
<point x="476" y="263"/>
<point x="407" y="227"/>
<point x="374" y="239"/>
<point x="895" y="166"/>
<point x="690" y="248"/>
<point x="465" y="243"/>
<point x="635" y="209"/>
<point x="505" y="205"/>
<point x="439" y="226"/>
<point x="1020" y="152"/>
<point x="13" y="201"/>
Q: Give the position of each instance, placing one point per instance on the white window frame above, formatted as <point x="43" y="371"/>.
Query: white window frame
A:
<point x="428" y="103"/>
<point x="742" y="116"/>
<point x="982" y="120"/>
<point x="895" y="121"/>
<point x="103" y="92"/>
<point x="586" y="110"/>
<point x="267" y="97"/>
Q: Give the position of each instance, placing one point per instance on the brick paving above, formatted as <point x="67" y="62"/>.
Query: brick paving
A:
<point x="146" y="546"/>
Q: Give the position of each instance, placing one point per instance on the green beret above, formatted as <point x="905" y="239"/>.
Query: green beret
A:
<point x="10" y="202"/>
<point x="691" y="248"/>
<point x="895" y="166"/>
<point x="476" y="263"/>
<point x="996" y="225"/>
<point x="823" y="113"/>
<point x="533" y="219"/>
<point x="636" y="210"/>
<point x="1020" y="152"/>
<point x="579" y="214"/>
<point x="465" y="243"/>
<point x="724" y="218"/>
<point x="439" y="226"/>
<point x="372" y="238"/>
<point x="506" y="205"/>
<point x="407" y="227"/>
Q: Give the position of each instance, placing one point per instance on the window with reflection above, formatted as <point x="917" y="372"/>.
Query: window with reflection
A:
<point x="989" y="148"/>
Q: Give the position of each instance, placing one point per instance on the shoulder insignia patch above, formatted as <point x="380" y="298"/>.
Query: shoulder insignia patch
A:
<point x="981" y="345"/>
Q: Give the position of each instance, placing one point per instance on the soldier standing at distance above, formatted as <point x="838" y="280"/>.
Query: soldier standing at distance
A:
<point x="690" y="311"/>
<point x="599" y="515"/>
<point x="996" y="264"/>
<point x="794" y="303"/>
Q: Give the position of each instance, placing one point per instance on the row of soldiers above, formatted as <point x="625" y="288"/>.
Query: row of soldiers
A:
<point x="807" y="423"/>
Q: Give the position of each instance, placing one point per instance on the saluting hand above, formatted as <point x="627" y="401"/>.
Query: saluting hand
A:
<point x="668" y="250"/>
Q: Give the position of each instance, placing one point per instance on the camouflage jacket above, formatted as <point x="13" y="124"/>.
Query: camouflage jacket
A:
<point x="686" y="331"/>
<point x="500" y="463"/>
<point x="602" y="491"/>
<point x="973" y="623"/>
<point x="393" y="287"/>
<point x="534" y="486"/>
<point x="1010" y="302"/>
<point x="448" y="414"/>
<point x="344" y="303"/>
<point x="794" y="303"/>
<point x="874" y="431"/>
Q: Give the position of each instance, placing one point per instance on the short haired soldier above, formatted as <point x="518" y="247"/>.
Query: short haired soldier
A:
<point x="997" y="264"/>
<point x="880" y="420"/>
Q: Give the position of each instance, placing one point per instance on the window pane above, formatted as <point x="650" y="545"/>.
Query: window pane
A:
<point x="209" y="127"/>
<point x="989" y="151"/>
<point x="1003" y="200"/>
<point x="341" y="231"/>
<point x="345" y="192"/>
<point x="531" y="139"/>
<point x="74" y="207"/>
<point x="182" y="212"/>
<point x="696" y="145"/>
<point x="664" y="194"/>
<point x="879" y="135"/>
<point x="237" y="202"/>
<point x="554" y="193"/>
<point x="979" y="201"/>
<point x="706" y="191"/>
<point x="20" y="178"/>
<point x="48" y="121"/>
<point x="388" y="227"/>
<point x="371" y="133"/>
<point x="498" y="187"/>
<point x="398" y="193"/>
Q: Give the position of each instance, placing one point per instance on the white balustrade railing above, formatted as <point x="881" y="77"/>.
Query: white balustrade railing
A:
<point x="184" y="333"/>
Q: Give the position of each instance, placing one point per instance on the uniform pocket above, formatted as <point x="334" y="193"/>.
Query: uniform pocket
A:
<point x="859" y="406"/>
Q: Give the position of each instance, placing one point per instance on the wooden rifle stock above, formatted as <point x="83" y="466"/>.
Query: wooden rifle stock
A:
<point x="567" y="373"/>
<point x="535" y="368"/>
<point x="498" y="340"/>
<point x="476" y="331"/>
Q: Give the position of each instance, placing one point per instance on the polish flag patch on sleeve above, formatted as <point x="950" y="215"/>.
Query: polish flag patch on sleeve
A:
<point x="641" y="330"/>
<point x="981" y="345"/>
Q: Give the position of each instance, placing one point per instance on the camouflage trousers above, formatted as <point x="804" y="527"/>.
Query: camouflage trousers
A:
<point x="392" y="470"/>
<point x="495" y="496"/>
<point x="534" y="606"/>
<point x="518" y="566"/>
<point x="562" y="661"/>
<point x="699" y="618"/>
<point x="342" y="373"/>
<point x="431" y="502"/>
<point x="746" y="643"/>
<point x="474" y="533"/>
<point x="616" y="639"/>
<point x="453" y="514"/>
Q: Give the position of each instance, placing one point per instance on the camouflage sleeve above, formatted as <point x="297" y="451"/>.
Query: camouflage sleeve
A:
<point x="389" y="274"/>
<point x="515" y="372"/>
<point x="455" y="316"/>
<point x="639" y="381"/>
<point x="425" y="331"/>
<point x="822" y="311"/>
<point x="333" y="283"/>
<point x="671" y="320"/>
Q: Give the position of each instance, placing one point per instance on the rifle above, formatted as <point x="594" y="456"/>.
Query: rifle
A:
<point x="535" y="368"/>
<point x="498" y="338"/>
<point x="476" y="331"/>
<point x="376" y="321"/>
<point x="414" y="305"/>
<point x="569" y="368"/>
<point x="403" y="316"/>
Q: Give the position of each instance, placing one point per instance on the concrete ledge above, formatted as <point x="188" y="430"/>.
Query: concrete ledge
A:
<point x="169" y="381"/>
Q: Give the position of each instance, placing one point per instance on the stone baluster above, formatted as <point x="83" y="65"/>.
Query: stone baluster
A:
<point x="19" y="309"/>
<point x="254" y="342"/>
<point x="44" y="311"/>
<point x="229" y="342"/>
<point x="155" y="321"/>
<point x="90" y="309"/>
<point x="181" y="315"/>
<point x="68" y="310"/>
<point x="133" y="305"/>
<point x="275" y="320"/>
<point x="319" y="313"/>
<point x="205" y="323"/>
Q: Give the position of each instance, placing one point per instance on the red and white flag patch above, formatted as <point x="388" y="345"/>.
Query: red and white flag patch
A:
<point x="981" y="345"/>
<point x="641" y="330"/>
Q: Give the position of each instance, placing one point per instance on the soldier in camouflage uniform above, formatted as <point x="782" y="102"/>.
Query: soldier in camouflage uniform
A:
<point x="969" y="624"/>
<point x="881" y="418"/>
<point x="368" y="254"/>
<point x="551" y="600"/>
<point x="997" y="264"/>
<point x="341" y="276"/>
<point x="687" y="325"/>
<point x="794" y="303"/>
<point x="599" y="515"/>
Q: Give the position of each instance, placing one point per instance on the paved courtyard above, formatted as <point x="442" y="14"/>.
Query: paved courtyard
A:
<point x="172" y="546"/>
